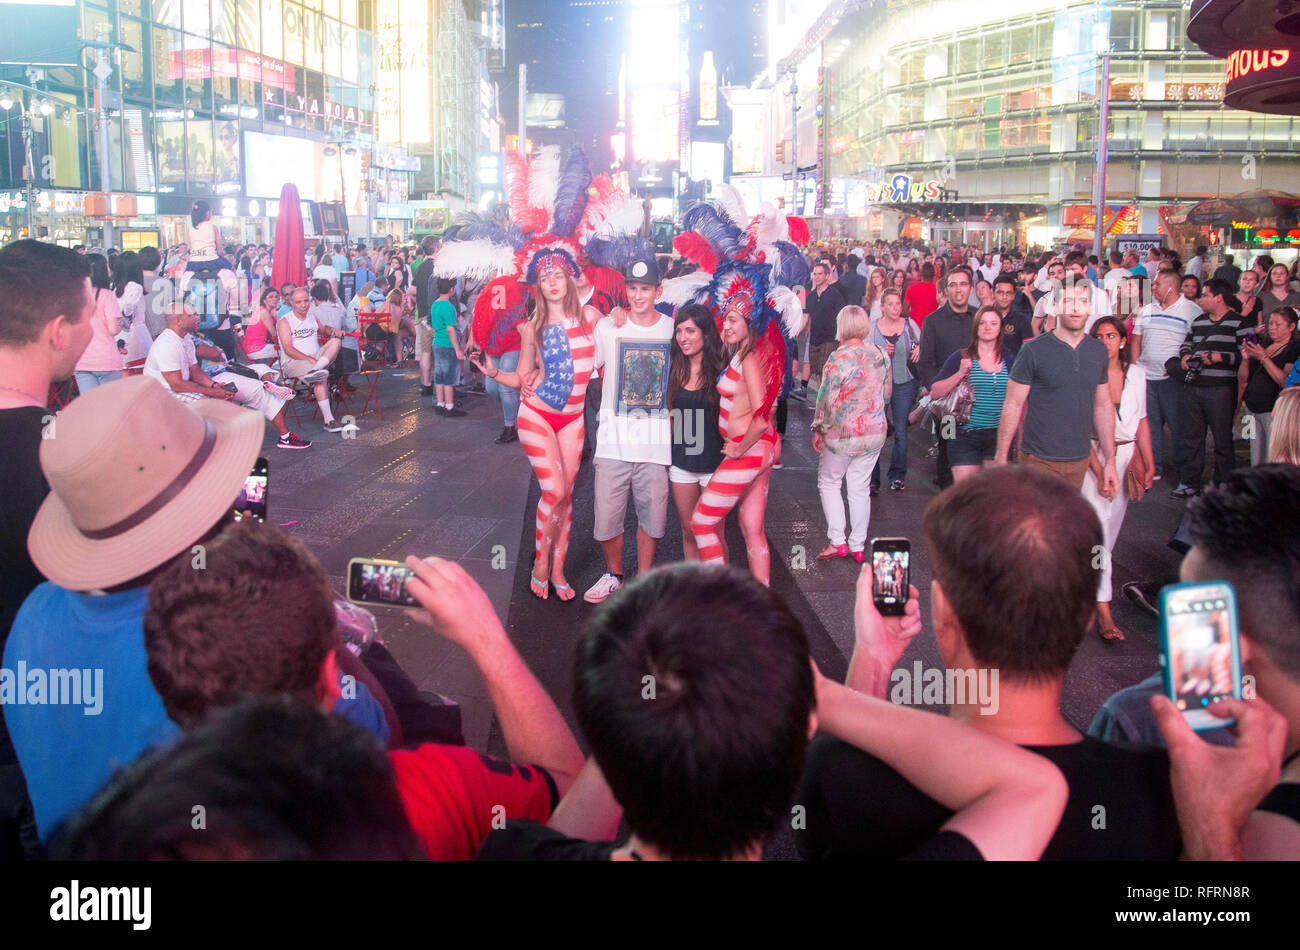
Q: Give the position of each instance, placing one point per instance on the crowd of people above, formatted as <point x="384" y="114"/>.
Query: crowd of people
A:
<point x="224" y="673"/>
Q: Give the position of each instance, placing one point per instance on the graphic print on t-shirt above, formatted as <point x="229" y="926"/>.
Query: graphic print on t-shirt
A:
<point x="642" y="376"/>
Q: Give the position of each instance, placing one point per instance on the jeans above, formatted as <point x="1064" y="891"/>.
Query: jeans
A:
<point x="509" y="398"/>
<point x="856" y="469"/>
<point x="1205" y="407"/>
<point x="1164" y="397"/>
<point x="900" y="404"/>
<point x="1263" y="421"/>
<point x="88" y="380"/>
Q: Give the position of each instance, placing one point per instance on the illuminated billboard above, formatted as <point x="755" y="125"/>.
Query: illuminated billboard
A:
<point x="655" y="117"/>
<point x="402" y="65"/>
<point x="271" y="161"/>
<point x="654" y="43"/>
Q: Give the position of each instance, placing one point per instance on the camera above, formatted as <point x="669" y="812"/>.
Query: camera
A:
<point x="1194" y="366"/>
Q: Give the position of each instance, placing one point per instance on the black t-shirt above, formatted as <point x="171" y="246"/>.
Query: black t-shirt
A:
<point x="25" y="489"/>
<point x="1120" y="806"/>
<point x="697" y="441"/>
<point x="524" y="840"/>
<point x="1261" y="390"/>
<point x="822" y="310"/>
<point x="1017" y="325"/>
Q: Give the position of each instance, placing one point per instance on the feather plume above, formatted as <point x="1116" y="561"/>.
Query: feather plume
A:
<point x="799" y="233"/>
<point x="618" y="252"/>
<point x="732" y="205"/>
<point x="689" y="288"/>
<point x="786" y="303"/>
<point x="517" y="193"/>
<point x="789" y="266"/>
<point x="610" y="289"/>
<point x="616" y="215"/>
<point x="767" y="227"/>
<point x="499" y="308"/>
<point x="571" y="194"/>
<point x="695" y="249"/>
<point x="723" y="236"/>
<point x="477" y="260"/>
<point x="544" y="180"/>
<point x="771" y="360"/>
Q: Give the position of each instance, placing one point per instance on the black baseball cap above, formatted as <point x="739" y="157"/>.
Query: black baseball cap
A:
<point x="644" y="270"/>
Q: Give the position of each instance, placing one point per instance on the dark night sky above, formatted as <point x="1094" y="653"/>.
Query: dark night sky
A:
<point x="576" y="47"/>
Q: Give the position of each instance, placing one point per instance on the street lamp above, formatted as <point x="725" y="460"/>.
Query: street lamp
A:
<point x="7" y="102"/>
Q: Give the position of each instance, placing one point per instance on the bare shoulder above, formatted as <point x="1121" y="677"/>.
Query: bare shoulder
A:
<point x="591" y="316"/>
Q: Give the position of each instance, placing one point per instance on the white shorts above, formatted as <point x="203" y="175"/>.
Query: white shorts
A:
<point x="252" y="394"/>
<point x="679" y="476"/>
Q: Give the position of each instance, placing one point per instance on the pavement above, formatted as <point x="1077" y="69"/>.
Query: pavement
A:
<point x="415" y="483"/>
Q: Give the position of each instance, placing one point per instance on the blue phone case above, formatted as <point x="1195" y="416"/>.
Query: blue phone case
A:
<point x="1200" y="719"/>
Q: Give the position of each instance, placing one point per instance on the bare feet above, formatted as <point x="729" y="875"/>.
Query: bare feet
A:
<point x="1112" y="634"/>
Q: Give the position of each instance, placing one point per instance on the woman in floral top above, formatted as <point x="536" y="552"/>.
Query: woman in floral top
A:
<point x="849" y="430"/>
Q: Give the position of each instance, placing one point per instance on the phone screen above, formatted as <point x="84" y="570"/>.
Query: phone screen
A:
<point x="379" y="582"/>
<point x="890" y="568"/>
<point x="251" y="502"/>
<point x="1200" y="633"/>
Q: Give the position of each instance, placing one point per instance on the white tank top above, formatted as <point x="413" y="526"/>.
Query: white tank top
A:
<point x="203" y="242"/>
<point x="303" y="333"/>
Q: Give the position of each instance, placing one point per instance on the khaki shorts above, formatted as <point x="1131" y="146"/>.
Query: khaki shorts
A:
<point x="1072" y="472"/>
<point x="819" y="354"/>
<point x="648" y="483"/>
<point x="423" y="339"/>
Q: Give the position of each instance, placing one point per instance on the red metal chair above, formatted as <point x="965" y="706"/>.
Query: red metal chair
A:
<point x="366" y="368"/>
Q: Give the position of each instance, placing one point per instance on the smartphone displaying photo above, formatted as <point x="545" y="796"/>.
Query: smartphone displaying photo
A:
<point x="251" y="502"/>
<point x="891" y="562"/>
<point x="1199" y="649"/>
<point x="380" y="583"/>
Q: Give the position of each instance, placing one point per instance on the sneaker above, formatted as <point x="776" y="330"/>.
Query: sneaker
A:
<point x="897" y="485"/>
<point x="1146" y="595"/>
<point x="776" y="466"/>
<point x="798" y="392"/>
<point x="439" y="410"/>
<point x="455" y="412"/>
<point x="278" y="391"/>
<point x="335" y="426"/>
<point x="508" y="434"/>
<point x="1184" y="491"/>
<point x="607" y="584"/>
<point x="291" y="441"/>
<point x="426" y="390"/>
<point x="315" y="376"/>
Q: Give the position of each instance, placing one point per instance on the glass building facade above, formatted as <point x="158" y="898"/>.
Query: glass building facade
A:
<point x="999" y="104"/>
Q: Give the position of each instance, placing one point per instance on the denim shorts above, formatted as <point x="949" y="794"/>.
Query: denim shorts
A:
<point x="444" y="366"/>
<point x="973" y="446"/>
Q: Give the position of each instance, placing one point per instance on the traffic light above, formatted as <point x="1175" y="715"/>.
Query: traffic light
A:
<point x="780" y="152"/>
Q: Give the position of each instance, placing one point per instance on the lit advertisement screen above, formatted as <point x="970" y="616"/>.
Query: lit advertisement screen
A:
<point x="655" y="114"/>
<point x="654" y="44"/>
<point x="272" y="161"/>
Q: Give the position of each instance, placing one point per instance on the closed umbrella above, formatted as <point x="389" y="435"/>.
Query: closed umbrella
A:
<point x="289" y="264"/>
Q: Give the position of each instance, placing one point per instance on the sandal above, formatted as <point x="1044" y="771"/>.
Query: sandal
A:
<point x="1112" y="634"/>
<point x="546" y="591"/>
<point x="833" y="550"/>
<point x="565" y="592"/>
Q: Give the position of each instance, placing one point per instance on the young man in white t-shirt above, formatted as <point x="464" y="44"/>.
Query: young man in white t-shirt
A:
<point x="1158" y="331"/>
<point x="634" y="438"/>
<point x="173" y="362"/>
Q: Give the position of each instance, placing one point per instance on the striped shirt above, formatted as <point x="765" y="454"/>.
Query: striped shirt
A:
<point x="1163" y="330"/>
<point x="990" y="389"/>
<point x="568" y="358"/>
<point x="1217" y="336"/>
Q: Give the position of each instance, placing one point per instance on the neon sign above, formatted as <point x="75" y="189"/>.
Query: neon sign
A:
<point x="1247" y="61"/>
<point x="903" y="188"/>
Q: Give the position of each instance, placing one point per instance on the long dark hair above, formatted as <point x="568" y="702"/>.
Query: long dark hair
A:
<point x="199" y="213"/>
<point x="99" y="276"/>
<point x="972" y="352"/>
<point x="126" y="268"/>
<point x="712" y="362"/>
<point x="1125" y="357"/>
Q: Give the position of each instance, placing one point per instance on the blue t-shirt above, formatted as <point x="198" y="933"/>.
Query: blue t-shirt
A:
<point x="69" y="750"/>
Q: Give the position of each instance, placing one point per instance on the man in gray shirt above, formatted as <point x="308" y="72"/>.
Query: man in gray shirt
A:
<point x="1058" y="390"/>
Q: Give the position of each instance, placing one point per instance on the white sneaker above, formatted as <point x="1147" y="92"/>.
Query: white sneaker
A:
<point x="607" y="584"/>
<point x="278" y="391"/>
<point x="315" y="376"/>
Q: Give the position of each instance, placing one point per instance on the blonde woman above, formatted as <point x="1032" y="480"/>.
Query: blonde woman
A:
<point x="1284" y="435"/>
<point x="849" y="430"/>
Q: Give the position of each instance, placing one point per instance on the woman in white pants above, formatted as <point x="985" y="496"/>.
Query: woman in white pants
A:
<point x="849" y="430"/>
<point x="1128" y="392"/>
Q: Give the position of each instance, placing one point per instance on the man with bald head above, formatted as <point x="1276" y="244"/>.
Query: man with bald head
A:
<point x="305" y="357"/>
<point x="173" y="362"/>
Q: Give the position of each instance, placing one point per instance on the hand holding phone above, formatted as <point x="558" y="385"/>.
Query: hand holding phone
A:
<point x="1200" y="652"/>
<point x="379" y="583"/>
<point x="251" y="502"/>
<point x="891" y="574"/>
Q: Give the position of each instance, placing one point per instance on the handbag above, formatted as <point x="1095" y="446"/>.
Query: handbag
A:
<point x="1135" y="479"/>
<point x="958" y="404"/>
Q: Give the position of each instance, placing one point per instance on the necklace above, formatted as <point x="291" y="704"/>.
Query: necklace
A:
<point x="36" y="399"/>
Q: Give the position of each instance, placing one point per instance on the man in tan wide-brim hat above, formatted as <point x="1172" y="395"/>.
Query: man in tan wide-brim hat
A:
<point x="136" y="478"/>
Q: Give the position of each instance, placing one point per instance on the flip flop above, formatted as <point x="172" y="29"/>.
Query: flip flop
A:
<point x="544" y="585"/>
<point x="562" y="589"/>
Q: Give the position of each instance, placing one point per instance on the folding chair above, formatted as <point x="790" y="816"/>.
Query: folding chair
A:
<point x="367" y="368"/>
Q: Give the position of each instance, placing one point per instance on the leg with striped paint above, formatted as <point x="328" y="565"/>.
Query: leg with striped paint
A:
<point x="722" y="493"/>
<point x="570" y="442"/>
<point x="542" y="446"/>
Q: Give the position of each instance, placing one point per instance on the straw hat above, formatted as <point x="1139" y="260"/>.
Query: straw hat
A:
<point x="136" y="477"/>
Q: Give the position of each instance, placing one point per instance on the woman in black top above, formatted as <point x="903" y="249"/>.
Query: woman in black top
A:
<point x="697" y="362"/>
<point x="1265" y="366"/>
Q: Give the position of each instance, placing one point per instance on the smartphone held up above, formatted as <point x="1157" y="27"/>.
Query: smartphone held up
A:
<point x="1200" y="651"/>
<point x="891" y="564"/>
<point x="379" y="583"/>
